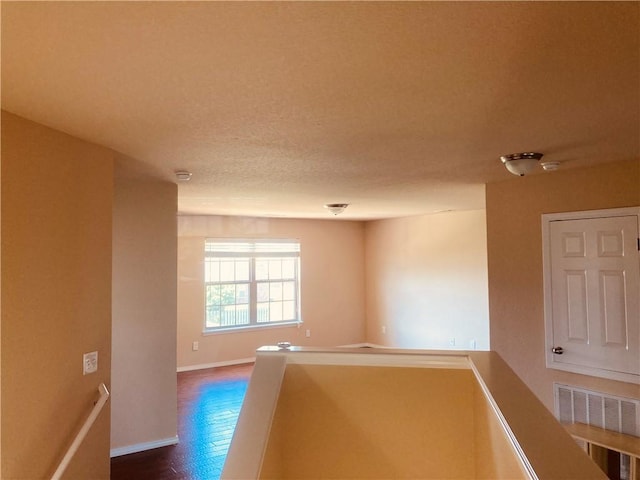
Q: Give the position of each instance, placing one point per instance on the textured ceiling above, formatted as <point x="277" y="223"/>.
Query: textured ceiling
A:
<point x="278" y="108"/>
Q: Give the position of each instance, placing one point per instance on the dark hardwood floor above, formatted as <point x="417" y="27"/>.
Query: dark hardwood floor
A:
<point x="209" y="402"/>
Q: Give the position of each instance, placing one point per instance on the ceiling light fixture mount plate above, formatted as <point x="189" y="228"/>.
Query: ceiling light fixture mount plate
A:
<point x="336" y="208"/>
<point x="550" y="166"/>
<point x="521" y="163"/>
<point x="183" y="175"/>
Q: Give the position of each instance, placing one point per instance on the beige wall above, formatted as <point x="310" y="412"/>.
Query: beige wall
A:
<point x="514" y="209"/>
<point x="0" y="314"/>
<point x="426" y="281"/>
<point x="365" y="432"/>
<point x="57" y="196"/>
<point x="322" y="431"/>
<point x="332" y="285"/>
<point x="144" y="313"/>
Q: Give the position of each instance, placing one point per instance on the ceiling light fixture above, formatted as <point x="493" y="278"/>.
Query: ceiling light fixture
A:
<point x="521" y="163"/>
<point x="336" y="208"/>
<point x="183" y="175"/>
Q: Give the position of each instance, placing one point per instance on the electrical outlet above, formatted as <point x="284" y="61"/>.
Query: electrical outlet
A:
<point x="195" y="346"/>
<point x="89" y="363"/>
<point x="452" y="341"/>
<point x="384" y="329"/>
<point x="472" y="344"/>
<point x="307" y="333"/>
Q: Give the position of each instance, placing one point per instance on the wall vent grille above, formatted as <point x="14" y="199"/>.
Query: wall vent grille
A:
<point x="575" y="404"/>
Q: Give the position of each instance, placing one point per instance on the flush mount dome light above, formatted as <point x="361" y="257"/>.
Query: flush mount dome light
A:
<point x="336" y="208"/>
<point x="521" y="163"/>
<point x="183" y="176"/>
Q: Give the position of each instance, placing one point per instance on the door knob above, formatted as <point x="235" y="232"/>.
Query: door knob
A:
<point x="557" y="350"/>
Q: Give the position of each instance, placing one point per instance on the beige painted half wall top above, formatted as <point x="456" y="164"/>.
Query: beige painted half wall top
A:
<point x="332" y="286"/>
<point x="514" y="237"/>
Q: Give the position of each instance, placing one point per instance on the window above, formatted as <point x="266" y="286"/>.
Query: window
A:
<point x="251" y="283"/>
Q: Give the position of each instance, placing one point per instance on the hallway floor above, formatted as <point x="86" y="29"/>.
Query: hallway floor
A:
<point x="209" y="403"/>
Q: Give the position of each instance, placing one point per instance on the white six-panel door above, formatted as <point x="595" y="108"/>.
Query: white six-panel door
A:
<point x="592" y="293"/>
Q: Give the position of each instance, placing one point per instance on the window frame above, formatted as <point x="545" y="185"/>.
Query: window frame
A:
<point x="253" y="250"/>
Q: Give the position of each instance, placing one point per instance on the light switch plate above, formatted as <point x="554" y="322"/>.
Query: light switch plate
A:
<point x="89" y="363"/>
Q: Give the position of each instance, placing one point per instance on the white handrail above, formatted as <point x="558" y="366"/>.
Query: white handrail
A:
<point x="104" y="395"/>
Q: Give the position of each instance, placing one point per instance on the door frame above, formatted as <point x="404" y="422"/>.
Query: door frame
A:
<point x="547" y="218"/>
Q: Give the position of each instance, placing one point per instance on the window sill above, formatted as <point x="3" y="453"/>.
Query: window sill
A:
<point x="248" y="328"/>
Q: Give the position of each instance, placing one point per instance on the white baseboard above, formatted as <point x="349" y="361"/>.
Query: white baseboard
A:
<point x="226" y="363"/>
<point x="363" y="345"/>
<point x="141" y="447"/>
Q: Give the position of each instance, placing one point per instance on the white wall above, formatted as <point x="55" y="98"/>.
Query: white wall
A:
<point x="332" y="286"/>
<point x="144" y="391"/>
<point x="427" y="281"/>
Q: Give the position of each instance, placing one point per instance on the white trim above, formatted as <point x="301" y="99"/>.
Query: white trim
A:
<point x="246" y="452"/>
<point x="511" y="437"/>
<point x="248" y="328"/>
<point x="295" y="355"/>
<point x="596" y="372"/>
<point x="225" y="363"/>
<point x="362" y="345"/>
<point x="141" y="447"/>
<point x="609" y="212"/>
<point x="547" y="218"/>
